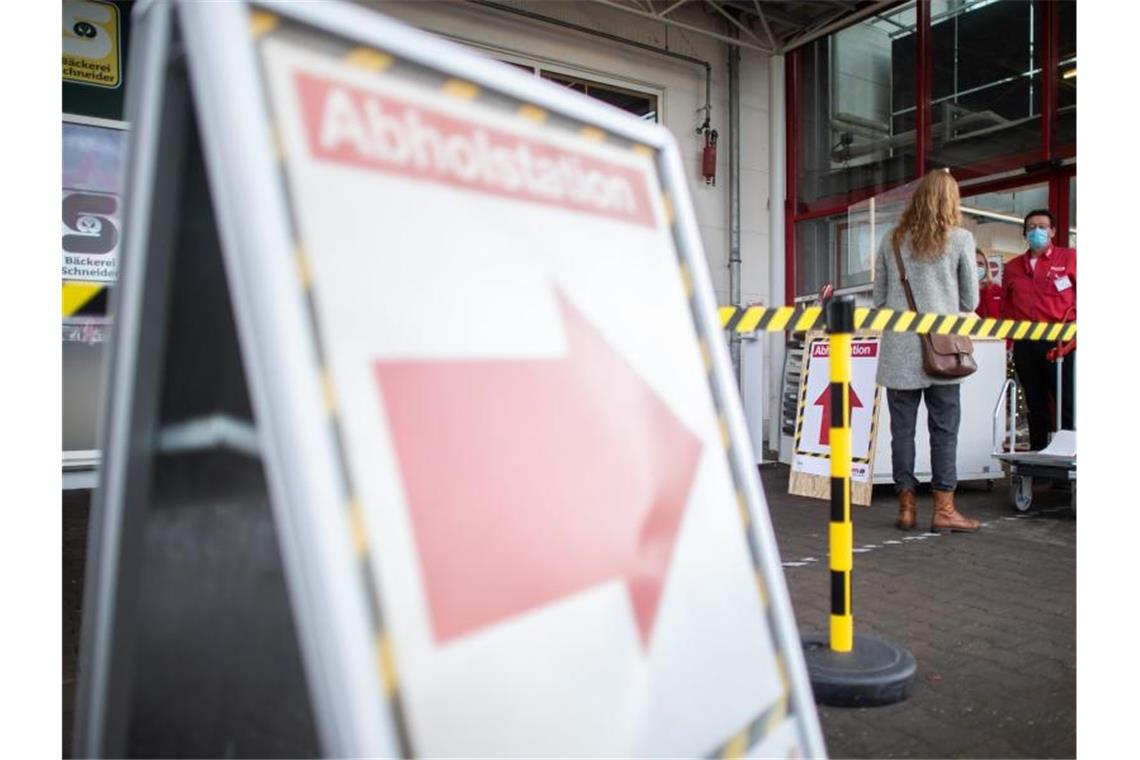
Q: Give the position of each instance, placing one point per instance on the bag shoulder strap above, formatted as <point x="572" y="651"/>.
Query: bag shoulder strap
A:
<point x="903" y="277"/>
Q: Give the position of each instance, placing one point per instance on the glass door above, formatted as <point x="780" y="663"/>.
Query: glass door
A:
<point x="995" y="219"/>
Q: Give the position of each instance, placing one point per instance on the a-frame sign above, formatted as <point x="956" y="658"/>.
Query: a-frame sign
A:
<point x="420" y="436"/>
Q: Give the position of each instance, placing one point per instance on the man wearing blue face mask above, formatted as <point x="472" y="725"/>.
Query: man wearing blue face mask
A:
<point x="1041" y="285"/>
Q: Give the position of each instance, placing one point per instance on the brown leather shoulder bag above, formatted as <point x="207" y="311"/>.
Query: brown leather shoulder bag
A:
<point x="944" y="356"/>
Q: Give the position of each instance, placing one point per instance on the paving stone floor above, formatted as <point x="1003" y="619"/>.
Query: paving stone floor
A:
<point x="989" y="617"/>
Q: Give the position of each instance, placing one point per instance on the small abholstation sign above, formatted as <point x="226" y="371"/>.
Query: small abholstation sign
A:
<point x="810" y="472"/>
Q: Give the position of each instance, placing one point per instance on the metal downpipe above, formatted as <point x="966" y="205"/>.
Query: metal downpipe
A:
<point x="777" y="166"/>
<point x="734" y="196"/>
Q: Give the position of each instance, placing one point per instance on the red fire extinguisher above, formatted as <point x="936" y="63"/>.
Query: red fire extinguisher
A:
<point x="708" y="162"/>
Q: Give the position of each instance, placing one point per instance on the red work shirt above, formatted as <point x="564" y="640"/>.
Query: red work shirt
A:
<point x="989" y="301"/>
<point x="1043" y="293"/>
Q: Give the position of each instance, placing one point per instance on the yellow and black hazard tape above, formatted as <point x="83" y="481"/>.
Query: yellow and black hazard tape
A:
<point x="741" y="319"/>
<point x="84" y="299"/>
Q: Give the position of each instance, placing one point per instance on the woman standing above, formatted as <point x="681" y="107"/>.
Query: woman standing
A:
<point x="938" y="256"/>
<point x="989" y="293"/>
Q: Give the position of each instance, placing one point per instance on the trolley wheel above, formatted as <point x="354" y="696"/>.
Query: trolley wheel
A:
<point x="989" y="485"/>
<point x="1021" y="492"/>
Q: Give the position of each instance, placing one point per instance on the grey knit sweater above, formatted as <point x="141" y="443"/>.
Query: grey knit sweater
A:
<point x="947" y="285"/>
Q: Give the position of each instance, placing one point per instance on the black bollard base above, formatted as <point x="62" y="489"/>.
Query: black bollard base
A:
<point x="875" y="672"/>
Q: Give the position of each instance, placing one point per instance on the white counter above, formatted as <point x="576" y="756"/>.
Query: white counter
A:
<point x="975" y="434"/>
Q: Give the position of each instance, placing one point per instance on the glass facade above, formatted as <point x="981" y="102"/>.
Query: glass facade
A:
<point x="985" y="90"/>
<point x="982" y="87"/>
<point x="1065" y="126"/>
<point x="868" y="222"/>
<point x="996" y="218"/>
<point x="817" y="243"/>
<point x="857" y="109"/>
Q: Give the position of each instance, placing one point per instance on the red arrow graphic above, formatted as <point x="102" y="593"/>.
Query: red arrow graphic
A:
<point x="529" y="480"/>
<point x="824" y="400"/>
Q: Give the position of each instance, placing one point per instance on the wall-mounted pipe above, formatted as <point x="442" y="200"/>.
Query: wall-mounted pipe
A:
<point x="734" y="195"/>
<point x="777" y="156"/>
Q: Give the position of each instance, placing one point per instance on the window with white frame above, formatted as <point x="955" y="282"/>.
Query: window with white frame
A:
<point x="637" y="102"/>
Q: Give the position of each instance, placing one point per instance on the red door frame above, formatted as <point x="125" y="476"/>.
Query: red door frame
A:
<point x="922" y="88"/>
<point x="1049" y="62"/>
<point x="1061" y="181"/>
<point x="1058" y="177"/>
<point x="791" y="186"/>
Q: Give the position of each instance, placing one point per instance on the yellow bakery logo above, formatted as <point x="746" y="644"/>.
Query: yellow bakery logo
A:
<point x="91" y="43"/>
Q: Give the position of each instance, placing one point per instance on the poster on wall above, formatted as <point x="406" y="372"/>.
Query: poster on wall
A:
<point x="91" y="202"/>
<point x="997" y="266"/>
<point x="94" y="64"/>
<point x="91" y="43"/>
<point x="811" y="463"/>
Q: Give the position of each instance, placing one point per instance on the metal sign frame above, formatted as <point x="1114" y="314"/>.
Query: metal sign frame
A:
<point x="297" y="446"/>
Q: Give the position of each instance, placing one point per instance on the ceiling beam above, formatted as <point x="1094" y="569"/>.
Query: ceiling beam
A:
<point x="672" y="8"/>
<point x="767" y="29"/>
<point x="689" y="27"/>
<point x="644" y="6"/>
<point x="734" y="22"/>
<point x="839" y="23"/>
<point x="780" y="18"/>
<point x="827" y="20"/>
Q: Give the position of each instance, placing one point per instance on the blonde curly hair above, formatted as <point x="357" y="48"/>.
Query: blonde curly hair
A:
<point x="929" y="216"/>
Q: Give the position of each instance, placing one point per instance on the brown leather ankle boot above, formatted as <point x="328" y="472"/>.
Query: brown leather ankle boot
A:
<point x="906" y="518"/>
<point x="946" y="517"/>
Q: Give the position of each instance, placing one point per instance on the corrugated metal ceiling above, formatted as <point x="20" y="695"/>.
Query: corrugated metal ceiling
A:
<point x="771" y="25"/>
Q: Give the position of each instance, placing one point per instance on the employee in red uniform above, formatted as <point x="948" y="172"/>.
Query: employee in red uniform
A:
<point x="989" y="292"/>
<point x="1041" y="285"/>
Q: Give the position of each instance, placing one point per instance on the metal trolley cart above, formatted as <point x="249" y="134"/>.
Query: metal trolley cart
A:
<point x="1056" y="462"/>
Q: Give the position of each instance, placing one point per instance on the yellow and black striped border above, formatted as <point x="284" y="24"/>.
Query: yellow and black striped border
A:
<point x="775" y="714"/>
<point x="264" y="25"/>
<point x="801" y="409"/>
<point x="741" y="319"/>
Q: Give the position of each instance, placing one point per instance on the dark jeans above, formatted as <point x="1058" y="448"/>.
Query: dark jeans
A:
<point x="943" y="413"/>
<point x="1038" y="378"/>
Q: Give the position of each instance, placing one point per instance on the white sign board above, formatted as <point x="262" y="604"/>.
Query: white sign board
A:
<point x="997" y="268"/>
<point x="90" y="231"/>
<point x="812" y="445"/>
<point x="551" y="520"/>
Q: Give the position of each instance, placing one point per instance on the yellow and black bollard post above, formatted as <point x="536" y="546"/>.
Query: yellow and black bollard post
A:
<point x="840" y="532"/>
<point x="845" y="669"/>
